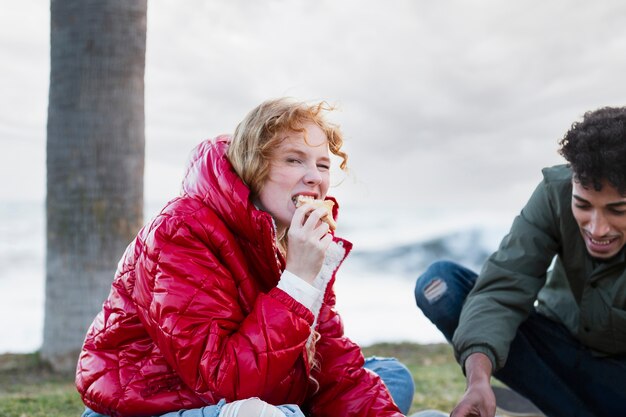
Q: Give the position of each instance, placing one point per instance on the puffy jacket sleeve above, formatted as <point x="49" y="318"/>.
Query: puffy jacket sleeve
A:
<point x="509" y="282"/>
<point x="345" y="387"/>
<point x="188" y="290"/>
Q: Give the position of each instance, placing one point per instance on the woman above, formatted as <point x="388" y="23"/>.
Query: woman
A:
<point x="223" y="305"/>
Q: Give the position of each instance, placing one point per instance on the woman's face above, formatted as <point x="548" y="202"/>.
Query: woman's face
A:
<point x="297" y="168"/>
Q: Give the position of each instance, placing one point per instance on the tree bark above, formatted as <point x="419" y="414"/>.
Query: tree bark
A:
<point x="95" y="160"/>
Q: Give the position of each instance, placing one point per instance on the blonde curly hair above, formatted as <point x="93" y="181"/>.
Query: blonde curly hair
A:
<point x="259" y="133"/>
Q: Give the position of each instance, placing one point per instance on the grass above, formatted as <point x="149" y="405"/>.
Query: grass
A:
<point x="28" y="388"/>
<point x="439" y="382"/>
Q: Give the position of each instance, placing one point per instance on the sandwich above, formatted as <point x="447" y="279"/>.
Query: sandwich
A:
<point x="327" y="204"/>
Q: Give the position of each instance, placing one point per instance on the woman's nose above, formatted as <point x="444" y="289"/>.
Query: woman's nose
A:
<point x="312" y="176"/>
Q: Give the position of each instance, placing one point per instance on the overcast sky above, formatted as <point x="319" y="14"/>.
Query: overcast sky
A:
<point x="443" y="103"/>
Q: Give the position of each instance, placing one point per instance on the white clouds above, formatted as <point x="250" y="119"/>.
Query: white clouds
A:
<point x="437" y="99"/>
<point x="24" y="74"/>
<point x="24" y="53"/>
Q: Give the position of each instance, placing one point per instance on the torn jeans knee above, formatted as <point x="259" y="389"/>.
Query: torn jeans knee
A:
<point x="434" y="290"/>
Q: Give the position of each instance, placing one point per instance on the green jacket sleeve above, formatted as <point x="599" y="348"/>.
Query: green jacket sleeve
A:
<point x="507" y="286"/>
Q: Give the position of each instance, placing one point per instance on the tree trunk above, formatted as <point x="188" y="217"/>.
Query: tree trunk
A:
<point x="95" y="161"/>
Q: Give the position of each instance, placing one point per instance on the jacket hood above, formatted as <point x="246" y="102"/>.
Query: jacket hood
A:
<point x="211" y="178"/>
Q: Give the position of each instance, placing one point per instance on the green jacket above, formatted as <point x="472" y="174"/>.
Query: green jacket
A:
<point x="543" y="262"/>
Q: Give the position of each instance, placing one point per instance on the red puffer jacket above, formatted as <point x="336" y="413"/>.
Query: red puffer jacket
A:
<point x="194" y="315"/>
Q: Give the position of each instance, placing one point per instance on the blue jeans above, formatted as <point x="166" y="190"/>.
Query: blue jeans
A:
<point x="290" y="410"/>
<point x="397" y="379"/>
<point x="545" y="363"/>
<point x="394" y="374"/>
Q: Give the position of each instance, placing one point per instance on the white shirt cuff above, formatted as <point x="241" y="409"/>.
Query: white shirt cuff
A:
<point x="299" y="289"/>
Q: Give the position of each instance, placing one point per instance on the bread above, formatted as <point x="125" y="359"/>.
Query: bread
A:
<point x="327" y="204"/>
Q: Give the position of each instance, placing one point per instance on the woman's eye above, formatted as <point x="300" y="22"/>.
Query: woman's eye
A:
<point x="293" y="160"/>
<point x="323" y="167"/>
<point x="581" y="206"/>
<point x="617" y="212"/>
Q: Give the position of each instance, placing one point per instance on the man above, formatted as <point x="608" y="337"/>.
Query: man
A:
<point x="547" y="314"/>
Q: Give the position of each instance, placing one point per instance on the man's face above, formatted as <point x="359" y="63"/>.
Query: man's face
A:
<point x="601" y="217"/>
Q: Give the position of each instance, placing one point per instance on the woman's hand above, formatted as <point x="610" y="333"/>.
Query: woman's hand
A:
<point x="307" y="242"/>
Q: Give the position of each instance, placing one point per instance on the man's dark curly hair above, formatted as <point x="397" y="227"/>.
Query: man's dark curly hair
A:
<point x="596" y="148"/>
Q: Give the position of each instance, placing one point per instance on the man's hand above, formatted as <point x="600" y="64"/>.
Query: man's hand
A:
<point x="478" y="400"/>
